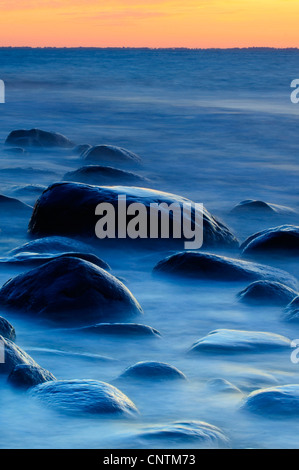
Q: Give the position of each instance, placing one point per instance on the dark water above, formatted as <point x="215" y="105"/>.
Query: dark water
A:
<point x="216" y="126"/>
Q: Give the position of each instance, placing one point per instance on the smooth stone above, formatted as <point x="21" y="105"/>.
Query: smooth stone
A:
<point x="7" y="330"/>
<point x="197" y="265"/>
<point x="11" y="204"/>
<point x="121" y="329"/>
<point x="81" y="149"/>
<point x="103" y="175"/>
<point x="28" y="190"/>
<point x="187" y="431"/>
<point x="267" y="293"/>
<point x="69" y="290"/>
<point x="72" y="206"/>
<point x="281" y="400"/>
<point x="38" y="138"/>
<point x="81" y="397"/>
<point x="292" y="310"/>
<point x="13" y="356"/>
<point x="153" y="370"/>
<point x="15" y="150"/>
<point x="236" y="341"/>
<point x="108" y="153"/>
<point x="251" y="206"/>
<point x="38" y="259"/>
<point x="52" y="245"/>
<point x="222" y="386"/>
<point x="26" y="376"/>
<point x="282" y="240"/>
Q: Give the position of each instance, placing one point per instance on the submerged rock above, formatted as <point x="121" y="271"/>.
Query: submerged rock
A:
<point x="267" y="293"/>
<point x="281" y="400"/>
<point x="103" y="175"/>
<point x="121" y="329"/>
<point x="69" y="290"/>
<point x="11" y="204"/>
<point x="37" y="259"/>
<point x="110" y="153"/>
<point x="282" y="240"/>
<point x="84" y="396"/>
<point x="72" y="206"/>
<point x="187" y="431"/>
<point x="13" y="356"/>
<point x="197" y="265"/>
<point x="7" y="330"/>
<point x="26" y="376"/>
<point x="251" y="206"/>
<point x="15" y="150"/>
<point x="81" y="149"/>
<point x="222" y="386"/>
<point x="52" y="245"/>
<point x="236" y="341"/>
<point x="38" y="138"/>
<point x="292" y="310"/>
<point x="153" y="370"/>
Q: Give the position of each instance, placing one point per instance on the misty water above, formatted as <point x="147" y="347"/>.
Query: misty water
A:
<point x="216" y="126"/>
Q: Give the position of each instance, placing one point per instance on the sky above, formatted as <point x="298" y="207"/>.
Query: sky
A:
<point x="149" y="23"/>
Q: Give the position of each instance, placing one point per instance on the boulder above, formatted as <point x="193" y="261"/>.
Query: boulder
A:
<point x="10" y="205"/>
<point x="153" y="371"/>
<point x="292" y="310"/>
<point x="7" y="330"/>
<point x="103" y="175"/>
<point x="26" y="376"/>
<point x="282" y="240"/>
<point x="199" y="432"/>
<point x="267" y="293"/>
<point x="69" y="290"/>
<point x="81" y="397"/>
<point x="251" y="206"/>
<point x="197" y="265"/>
<point x="110" y="153"/>
<point x="274" y="401"/>
<point x="222" y="386"/>
<point x="121" y="329"/>
<point x="237" y="341"/>
<point x="81" y="149"/>
<point x="38" y="138"/>
<point x="52" y="245"/>
<point x="72" y="207"/>
<point x="13" y="356"/>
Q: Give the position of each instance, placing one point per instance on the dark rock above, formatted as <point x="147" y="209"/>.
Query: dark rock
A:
<point x="197" y="432"/>
<point x="37" y="259"/>
<point x="29" y="190"/>
<point x="52" y="245"/>
<point x="197" y="265"/>
<point x="236" y="341"/>
<point x="38" y="138"/>
<point x="84" y="396"/>
<point x="103" y="175"/>
<point x="153" y="370"/>
<point x="7" y="330"/>
<point x="26" y="376"/>
<point x="8" y="204"/>
<point x="267" y="293"/>
<point x="292" y="310"/>
<point x="121" y="329"/>
<point x="72" y="206"/>
<point x="281" y="400"/>
<point x="13" y="356"/>
<point x="69" y="290"/>
<point x="251" y="206"/>
<point x="282" y="240"/>
<point x="110" y="153"/>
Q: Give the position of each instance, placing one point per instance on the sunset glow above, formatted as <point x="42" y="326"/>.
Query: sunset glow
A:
<point x="151" y="23"/>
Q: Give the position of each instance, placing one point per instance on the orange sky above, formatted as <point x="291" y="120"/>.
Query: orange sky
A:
<point x="152" y="23"/>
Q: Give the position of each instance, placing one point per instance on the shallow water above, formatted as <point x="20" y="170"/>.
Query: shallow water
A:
<point x="215" y="126"/>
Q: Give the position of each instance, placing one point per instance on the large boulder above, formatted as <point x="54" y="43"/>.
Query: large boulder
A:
<point x="7" y="330"/>
<point x="110" y="153"/>
<point x="255" y="207"/>
<point x="69" y="209"/>
<point x="292" y="310"/>
<point x="13" y="356"/>
<point x="84" y="396"/>
<point x="52" y="245"/>
<point x="26" y="375"/>
<point x="38" y="138"/>
<point x="282" y="240"/>
<point x="237" y="341"/>
<point x="153" y="371"/>
<point x="274" y="401"/>
<point x="197" y="265"/>
<point x="103" y="175"/>
<point x="69" y="290"/>
<point x="267" y="293"/>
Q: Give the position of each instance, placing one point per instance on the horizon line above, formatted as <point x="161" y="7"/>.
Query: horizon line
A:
<point x="154" y="48"/>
